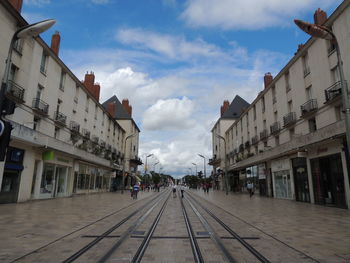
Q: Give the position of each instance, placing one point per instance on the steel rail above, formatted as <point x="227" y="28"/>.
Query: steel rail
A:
<point x="87" y="247"/>
<point x="250" y="248"/>
<point x="212" y="233"/>
<point x="194" y="244"/>
<point x="140" y="252"/>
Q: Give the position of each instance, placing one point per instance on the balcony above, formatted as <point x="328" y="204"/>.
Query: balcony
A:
<point x="102" y="143"/>
<point x="264" y="134"/>
<point x="40" y="107"/>
<point x="109" y="147"/>
<point x="94" y="139"/>
<point x="60" y="118"/>
<point x="135" y="159"/>
<point x="289" y="119"/>
<point x="15" y="92"/>
<point x="86" y="133"/>
<point x="275" y="127"/>
<point x="214" y="161"/>
<point x="247" y="144"/>
<point x="255" y="139"/>
<point x="241" y="147"/>
<point x="74" y="127"/>
<point x="333" y="92"/>
<point x="308" y="107"/>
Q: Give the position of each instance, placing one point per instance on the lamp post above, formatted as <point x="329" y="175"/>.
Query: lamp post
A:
<point x="6" y="105"/>
<point x="323" y="32"/>
<point x="205" y="171"/>
<point x="123" y="178"/>
<point x="226" y="179"/>
<point x="145" y="172"/>
<point x="196" y="168"/>
<point x="154" y="166"/>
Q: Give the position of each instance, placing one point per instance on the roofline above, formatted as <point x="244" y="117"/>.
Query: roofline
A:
<point x="22" y="22"/>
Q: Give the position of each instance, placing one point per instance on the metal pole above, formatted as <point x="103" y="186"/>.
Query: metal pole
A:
<point x="123" y="178"/>
<point x="205" y="169"/>
<point x="226" y="177"/>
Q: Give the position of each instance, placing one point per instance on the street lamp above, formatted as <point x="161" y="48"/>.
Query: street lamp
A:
<point x="154" y="166"/>
<point x="24" y="32"/>
<point x="196" y="168"/>
<point x="205" y="171"/>
<point x="323" y="32"/>
<point x="226" y="179"/>
<point x="123" y="179"/>
<point x="146" y="162"/>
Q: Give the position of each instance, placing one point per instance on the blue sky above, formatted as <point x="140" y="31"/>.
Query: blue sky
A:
<point x="176" y="61"/>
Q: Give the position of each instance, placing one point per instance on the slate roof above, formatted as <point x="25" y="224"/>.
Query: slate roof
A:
<point x="236" y="108"/>
<point x="120" y="112"/>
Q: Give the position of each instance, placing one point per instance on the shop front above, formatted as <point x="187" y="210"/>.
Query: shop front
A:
<point x="56" y="175"/>
<point x="252" y="177"/>
<point x="282" y="178"/>
<point x="12" y="175"/>
<point x="301" y="182"/>
<point x="262" y="179"/>
<point x="328" y="180"/>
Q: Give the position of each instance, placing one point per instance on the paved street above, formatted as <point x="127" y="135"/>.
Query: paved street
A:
<point x="283" y="231"/>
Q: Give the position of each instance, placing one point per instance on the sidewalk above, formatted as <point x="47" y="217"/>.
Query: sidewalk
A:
<point x="319" y="231"/>
<point x="28" y="226"/>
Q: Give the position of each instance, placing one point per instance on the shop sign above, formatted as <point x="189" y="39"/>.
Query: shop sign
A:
<point x="48" y="156"/>
<point x="62" y="160"/>
<point x="281" y="164"/>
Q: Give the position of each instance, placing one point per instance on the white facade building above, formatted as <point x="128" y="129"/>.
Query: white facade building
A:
<point x="291" y="140"/>
<point x="64" y="141"/>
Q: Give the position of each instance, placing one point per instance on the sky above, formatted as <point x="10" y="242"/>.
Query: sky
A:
<point x="176" y="60"/>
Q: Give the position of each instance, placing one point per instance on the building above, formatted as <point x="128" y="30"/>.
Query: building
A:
<point x="64" y="141"/>
<point x="229" y="113"/>
<point x="291" y="140"/>
<point x="122" y="113"/>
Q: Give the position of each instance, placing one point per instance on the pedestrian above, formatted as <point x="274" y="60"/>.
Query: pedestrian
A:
<point x="135" y="189"/>
<point x="174" y="190"/>
<point x="131" y="190"/>
<point x="250" y="188"/>
<point x="207" y="188"/>
<point x="182" y="189"/>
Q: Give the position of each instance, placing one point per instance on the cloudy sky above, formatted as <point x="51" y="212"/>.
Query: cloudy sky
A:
<point x="176" y="60"/>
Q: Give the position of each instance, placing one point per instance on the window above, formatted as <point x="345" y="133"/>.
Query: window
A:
<point x="335" y="74"/>
<point x="87" y="103"/>
<point x="263" y="104"/>
<point x="275" y="115"/>
<point x="247" y="120"/>
<point x="308" y="91"/>
<point x="59" y="102"/>
<point x="306" y="67"/>
<point x="76" y="94"/>
<point x="331" y="46"/>
<point x="291" y="133"/>
<point x="339" y="115"/>
<point x="256" y="130"/>
<point x="96" y="108"/>
<point x="290" y="106"/>
<point x="277" y="140"/>
<point x="13" y="72"/>
<point x="39" y="92"/>
<point x="36" y="123"/>
<point x="312" y="125"/>
<point x="254" y="112"/>
<point x="103" y="119"/>
<point x="18" y="45"/>
<point x="57" y="131"/>
<point x="264" y="124"/>
<point x="286" y="77"/>
<point x="274" y="99"/>
<point x="62" y="80"/>
<point x="43" y="63"/>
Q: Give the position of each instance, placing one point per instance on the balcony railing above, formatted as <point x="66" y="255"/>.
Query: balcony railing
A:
<point x="241" y="147"/>
<point x="40" y="106"/>
<point x="74" y="127"/>
<point x="264" y="134"/>
<point x="94" y="139"/>
<point x="60" y="118"/>
<point x="247" y="144"/>
<point x="289" y="119"/>
<point x="102" y="143"/>
<point x="333" y="91"/>
<point x="15" y="91"/>
<point x="255" y="139"/>
<point x="86" y="133"/>
<point x="109" y="147"/>
<point x="275" y="127"/>
<point x="308" y="107"/>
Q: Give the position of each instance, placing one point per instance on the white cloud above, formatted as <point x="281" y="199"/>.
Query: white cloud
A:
<point x="251" y="14"/>
<point x="174" y="47"/>
<point x="169" y="114"/>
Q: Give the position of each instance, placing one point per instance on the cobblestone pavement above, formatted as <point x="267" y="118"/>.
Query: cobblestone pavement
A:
<point x="286" y="231"/>
<point x="322" y="233"/>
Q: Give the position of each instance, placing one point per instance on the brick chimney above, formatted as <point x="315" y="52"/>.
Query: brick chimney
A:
<point x="111" y="108"/>
<point x="89" y="83"/>
<point x="224" y="106"/>
<point x="320" y="17"/>
<point x="268" y="79"/>
<point x="17" y="4"/>
<point x="55" y="42"/>
<point x="127" y="107"/>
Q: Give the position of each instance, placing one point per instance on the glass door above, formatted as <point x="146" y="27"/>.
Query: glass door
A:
<point x="9" y="186"/>
<point x="61" y="181"/>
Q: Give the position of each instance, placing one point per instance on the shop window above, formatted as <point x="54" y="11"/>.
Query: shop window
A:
<point x="46" y="186"/>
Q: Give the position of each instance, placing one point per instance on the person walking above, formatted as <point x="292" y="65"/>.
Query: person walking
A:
<point x="174" y="190"/>
<point x="135" y="190"/>
<point x="250" y="188"/>
<point x="182" y="189"/>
